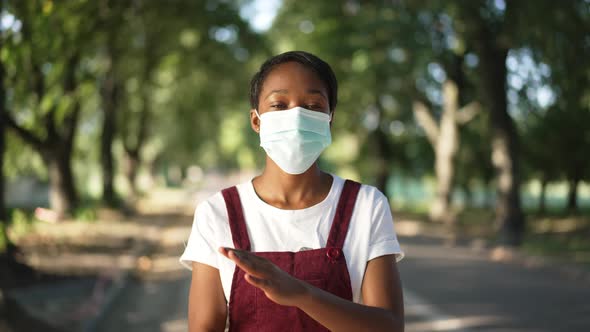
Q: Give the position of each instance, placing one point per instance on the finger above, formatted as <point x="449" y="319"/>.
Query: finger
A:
<point x="238" y="254"/>
<point x="241" y="259"/>
<point x="224" y="251"/>
<point x="245" y="256"/>
<point x="245" y="263"/>
<point x="253" y="258"/>
<point x="263" y="284"/>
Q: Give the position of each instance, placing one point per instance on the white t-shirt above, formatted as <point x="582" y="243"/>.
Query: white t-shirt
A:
<point x="370" y="234"/>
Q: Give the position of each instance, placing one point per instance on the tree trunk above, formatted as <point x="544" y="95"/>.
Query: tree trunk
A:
<point x="133" y="142"/>
<point x="109" y="106"/>
<point x="542" y="195"/>
<point x="383" y="151"/>
<point x="509" y="216"/>
<point x="469" y="198"/>
<point x="572" y="195"/>
<point x="3" y="216"/>
<point x="57" y="155"/>
<point x="445" y="151"/>
<point x="56" y="145"/>
<point x="132" y="163"/>
<point x="62" y="192"/>
<point x="107" y="160"/>
<point x="381" y="177"/>
<point x="57" y="152"/>
<point x="444" y="139"/>
<point x="4" y="240"/>
<point x="490" y="41"/>
<point x="133" y="151"/>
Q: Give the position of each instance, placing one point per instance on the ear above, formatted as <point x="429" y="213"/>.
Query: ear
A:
<point x="254" y="121"/>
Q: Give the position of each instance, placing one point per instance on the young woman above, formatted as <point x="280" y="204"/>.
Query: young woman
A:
<point x="295" y="248"/>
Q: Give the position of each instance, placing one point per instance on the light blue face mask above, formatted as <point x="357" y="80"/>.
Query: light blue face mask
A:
<point x="294" y="138"/>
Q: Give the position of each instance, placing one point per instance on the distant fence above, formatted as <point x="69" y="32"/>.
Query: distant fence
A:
<point x="28" y="192"/>
<point x="407" y="191"/>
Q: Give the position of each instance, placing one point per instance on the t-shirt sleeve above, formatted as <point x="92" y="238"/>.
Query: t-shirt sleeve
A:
<point x="201" y="246"/>
<point x="383" y="240"/>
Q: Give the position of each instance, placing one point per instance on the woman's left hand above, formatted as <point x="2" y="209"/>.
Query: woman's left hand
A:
<point x="278" y="285"/>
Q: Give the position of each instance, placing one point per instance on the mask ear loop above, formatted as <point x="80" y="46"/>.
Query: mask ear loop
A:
<point x="258" y="116"/>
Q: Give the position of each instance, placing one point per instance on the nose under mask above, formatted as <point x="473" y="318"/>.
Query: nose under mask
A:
<point x="294" y="138"/>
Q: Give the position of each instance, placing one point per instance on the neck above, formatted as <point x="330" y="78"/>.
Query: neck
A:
<point x="290" y="188"/>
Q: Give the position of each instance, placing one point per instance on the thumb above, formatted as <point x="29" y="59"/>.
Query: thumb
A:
<point x="257" y="282"/>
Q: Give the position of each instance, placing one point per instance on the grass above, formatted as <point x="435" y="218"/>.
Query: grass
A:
<point x="573" y="248"/>
<point x="21" y="221"/>
<point x="554" y="233"/>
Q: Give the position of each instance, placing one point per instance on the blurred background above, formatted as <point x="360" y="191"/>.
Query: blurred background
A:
<point x="118" y="117"/>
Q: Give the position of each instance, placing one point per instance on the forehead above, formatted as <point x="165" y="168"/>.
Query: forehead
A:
<point x="292" y="76"/>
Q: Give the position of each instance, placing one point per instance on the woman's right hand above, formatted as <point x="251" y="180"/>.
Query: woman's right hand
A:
<point x="278" y="285"/>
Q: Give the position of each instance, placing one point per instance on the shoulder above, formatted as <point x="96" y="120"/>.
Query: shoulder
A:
<point x="210" y="204"/>
<point x="211" y="212"/>
<point x="369" y="194"/>
<point x="214" y="205"/>
<point x="372" y="207"/>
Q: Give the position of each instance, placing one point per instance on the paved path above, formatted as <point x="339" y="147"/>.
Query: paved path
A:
<point x="150" y="306"/>
<point x="155" y="296"/>
<point x="446" y="289"/>
<point x="470" y="292"/>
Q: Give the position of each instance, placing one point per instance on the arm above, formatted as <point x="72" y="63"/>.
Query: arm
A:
<point x="382" y="298"/>
<point x="382" y="294"/>
<point x="207" y="309"/>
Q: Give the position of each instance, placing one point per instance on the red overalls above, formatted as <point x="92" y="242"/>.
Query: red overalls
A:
<point x="250" y="309"/>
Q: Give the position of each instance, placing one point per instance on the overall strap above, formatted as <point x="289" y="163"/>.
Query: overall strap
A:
<point x="237" y="223"/>
<point x="343" y="214"/>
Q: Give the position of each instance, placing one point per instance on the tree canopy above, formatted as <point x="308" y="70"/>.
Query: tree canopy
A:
<point x="108" y="89"/>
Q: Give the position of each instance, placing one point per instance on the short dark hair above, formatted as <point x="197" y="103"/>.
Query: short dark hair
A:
<point x="319" y="66"/>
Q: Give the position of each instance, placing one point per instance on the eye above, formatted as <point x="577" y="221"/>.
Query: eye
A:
<point x="315" y="107"/>
<point x="278" y="106"/>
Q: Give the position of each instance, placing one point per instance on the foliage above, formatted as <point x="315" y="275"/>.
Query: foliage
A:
<point x="185" y="67"/>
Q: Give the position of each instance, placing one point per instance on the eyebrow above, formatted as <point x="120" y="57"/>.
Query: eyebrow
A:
<point x="319" y="92"/>
<point x="285" y="91"/>
<point x="281" y="91"/>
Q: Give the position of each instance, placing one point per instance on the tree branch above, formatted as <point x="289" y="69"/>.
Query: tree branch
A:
<point x="426" y="121"/>
<point x="71" y="123"/>
<point x="468" y="112"/>
<point x="23" y="133"/>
